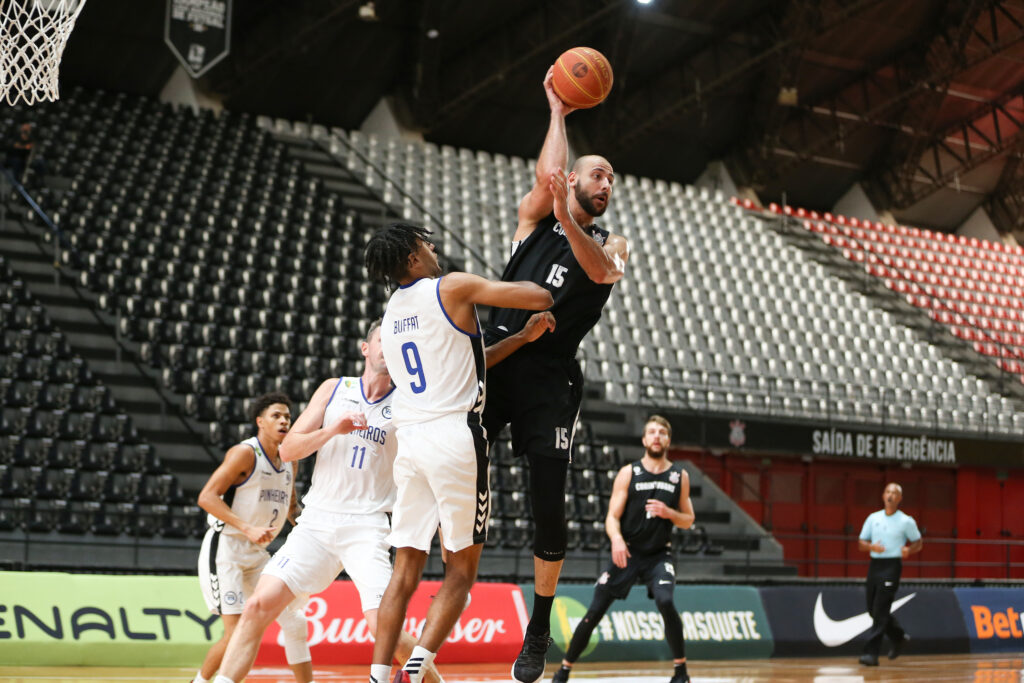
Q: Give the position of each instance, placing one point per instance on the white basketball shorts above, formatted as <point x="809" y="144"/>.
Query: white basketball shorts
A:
<point x="229" y="567"/>
<point x="442" y="476"/>
<point x="324" y="543"/>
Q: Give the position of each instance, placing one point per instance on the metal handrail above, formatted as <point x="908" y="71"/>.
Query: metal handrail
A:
<point x="401" y="191"/>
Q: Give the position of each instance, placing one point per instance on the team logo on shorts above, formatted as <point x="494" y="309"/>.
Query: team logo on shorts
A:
<point x="386" y="412"/>
<point x="670" y="568"/>
<point x="230" y="598"/>
<point x="603" y="579"/>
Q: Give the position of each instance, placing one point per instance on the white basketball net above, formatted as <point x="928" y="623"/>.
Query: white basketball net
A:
<point x="33" y="34"/>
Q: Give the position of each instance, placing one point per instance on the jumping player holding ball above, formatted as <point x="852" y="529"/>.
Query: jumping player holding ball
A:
<point x="538" y="389"/>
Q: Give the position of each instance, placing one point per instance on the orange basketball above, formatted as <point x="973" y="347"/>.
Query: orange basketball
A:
<point x="582" y="77"/>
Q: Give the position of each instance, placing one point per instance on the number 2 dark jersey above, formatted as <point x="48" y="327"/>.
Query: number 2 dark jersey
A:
<point x="644" y="534"/>
<point x="546" y="258"/>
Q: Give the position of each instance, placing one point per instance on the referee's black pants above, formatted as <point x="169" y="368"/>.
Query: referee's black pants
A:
<point x="883" y="582"/>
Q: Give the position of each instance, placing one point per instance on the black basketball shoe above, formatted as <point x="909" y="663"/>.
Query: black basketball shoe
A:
<point x="529" y="665"/>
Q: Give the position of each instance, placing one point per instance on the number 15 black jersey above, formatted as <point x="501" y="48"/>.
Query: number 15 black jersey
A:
<point x="546" y="258"/>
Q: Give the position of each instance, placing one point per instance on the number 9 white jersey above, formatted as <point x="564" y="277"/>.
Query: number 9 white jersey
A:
<point x="438" y="369"/>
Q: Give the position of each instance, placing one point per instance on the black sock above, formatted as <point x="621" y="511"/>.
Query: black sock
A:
<point x="681" y="670"/>
<point x="540" y="620"/>
<point x="565" y="669"/>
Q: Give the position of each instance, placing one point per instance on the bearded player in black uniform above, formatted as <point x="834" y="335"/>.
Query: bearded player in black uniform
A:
<point x="649" y="497"/>
<point x="538" y="389"/>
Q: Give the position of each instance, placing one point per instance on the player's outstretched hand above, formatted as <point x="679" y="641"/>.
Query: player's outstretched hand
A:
<point x="656" y="508"/>
<point x="538" y="324"/>
<point x="559" y="185"/>
<point x="620" y="553"/>
<point x="260" y="535"/>
<point x="350" y="422"/>
<point x="554" y="101"/>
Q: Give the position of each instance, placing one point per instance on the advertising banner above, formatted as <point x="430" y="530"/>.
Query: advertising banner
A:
<point x="812" y="621"/>
<point x="719" y="622"/>
<point x="59" y="619"/>
<point x="994" y="618"/>
<point x="489" y="630"/>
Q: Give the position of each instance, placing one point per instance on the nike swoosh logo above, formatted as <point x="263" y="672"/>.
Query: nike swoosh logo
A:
<point x="834" y="633"/>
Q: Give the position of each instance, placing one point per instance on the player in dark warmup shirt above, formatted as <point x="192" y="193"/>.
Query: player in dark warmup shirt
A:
<point x="650" y="496"/>
<point x="538" y="389"/>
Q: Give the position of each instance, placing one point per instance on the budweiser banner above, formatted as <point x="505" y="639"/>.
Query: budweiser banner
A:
<point x="490" y="630"/>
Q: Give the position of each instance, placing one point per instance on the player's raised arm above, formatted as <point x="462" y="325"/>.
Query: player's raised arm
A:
<point x="238" y="465"/>
<point x="602" y="264"/>
<point x="459" y="288"/>
<point x="309" y="433"/>
<point x="553" y="154"/>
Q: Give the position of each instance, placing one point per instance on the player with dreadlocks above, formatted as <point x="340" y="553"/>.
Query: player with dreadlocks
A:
<point x="433" y="348"/>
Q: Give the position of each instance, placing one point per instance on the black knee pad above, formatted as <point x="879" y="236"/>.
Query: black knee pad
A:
<point x="547" y="499"/>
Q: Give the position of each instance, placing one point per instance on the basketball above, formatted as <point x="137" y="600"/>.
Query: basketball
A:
<point x="582" y="77"/>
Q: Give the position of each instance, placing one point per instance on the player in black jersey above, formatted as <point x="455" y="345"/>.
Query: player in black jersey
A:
<point x="649" y="497"/>
<point x="538" y="389"/>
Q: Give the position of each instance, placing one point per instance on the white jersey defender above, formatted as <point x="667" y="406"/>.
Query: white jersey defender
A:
<point x="352" y="474"/>
<point x="437" y="368"/>
<point x="439" y="373"/>
<point x="229" y="563"/>
<point x="344" y="524"/>
<point x="262" y="499"/>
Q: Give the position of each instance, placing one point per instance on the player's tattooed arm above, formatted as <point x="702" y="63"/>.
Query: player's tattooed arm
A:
<point x="309" y="432"/>
<point x="238" y="464"/>
<point x="294" y="509"/>
<point x="535" y="327"/>
<point x="602" y="264"/>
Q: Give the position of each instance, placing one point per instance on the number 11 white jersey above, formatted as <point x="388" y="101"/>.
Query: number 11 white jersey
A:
<point x="353" y="472"/>
<point x="438" y="369"/>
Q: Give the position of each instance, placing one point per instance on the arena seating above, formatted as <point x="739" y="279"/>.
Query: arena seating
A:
<point x="233" y="271"/>
<point x="719" y="312"/>
<point x="973" y="286"/>
<point x="70" y="460"/>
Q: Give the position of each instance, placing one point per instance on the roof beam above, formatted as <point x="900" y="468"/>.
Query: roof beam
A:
<point x="872" y="102"/>
<point x="687" y="92"/>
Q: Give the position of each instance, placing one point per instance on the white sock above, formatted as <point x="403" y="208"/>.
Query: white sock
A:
<point x="419" y="660"/>
<point x="222" y="679"/>
<point x="380" y="673"/>
<point x="198" y="678"/>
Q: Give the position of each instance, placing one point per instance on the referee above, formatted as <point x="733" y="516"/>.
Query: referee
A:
<point x="885" y="535"/>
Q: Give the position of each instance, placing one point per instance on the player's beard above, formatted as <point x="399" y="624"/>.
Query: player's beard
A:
<point x="657" y="455"/>
<point x="587" y="203"/>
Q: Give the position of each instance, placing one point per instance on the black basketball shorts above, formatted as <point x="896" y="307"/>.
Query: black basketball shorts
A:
<point x="539" y="397"/>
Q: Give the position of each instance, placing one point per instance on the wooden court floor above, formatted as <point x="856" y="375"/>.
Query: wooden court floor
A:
<point x="979" y="668"/>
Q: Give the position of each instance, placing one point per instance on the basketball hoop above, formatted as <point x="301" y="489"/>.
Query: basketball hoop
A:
<point x="33" y="34"/>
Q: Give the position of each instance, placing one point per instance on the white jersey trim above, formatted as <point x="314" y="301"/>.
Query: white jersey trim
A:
<point x="449" y="318"/>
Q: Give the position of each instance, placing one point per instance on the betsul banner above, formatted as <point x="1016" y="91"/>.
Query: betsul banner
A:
<point x="50" y="618"/>
<point x="490" y="630"/>
<point x="719" y="622"/>
<point x="811" y="621"/>
<point x="994" y="617"/>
